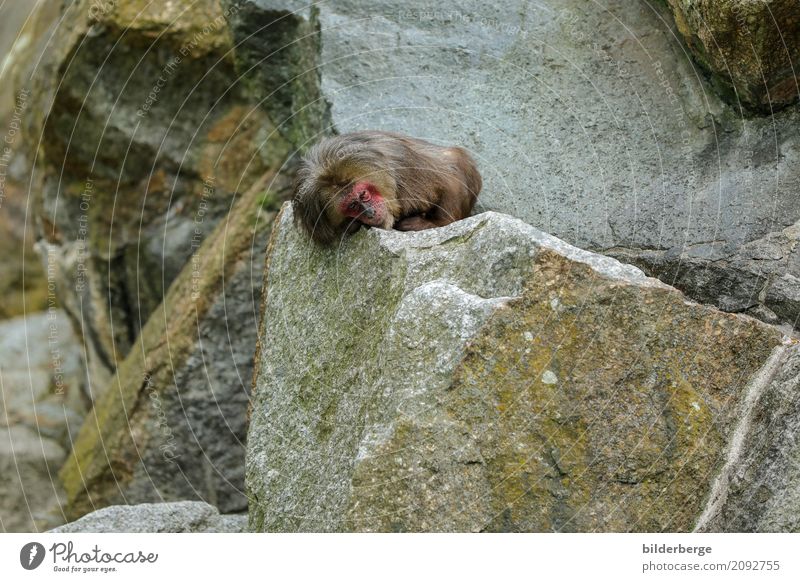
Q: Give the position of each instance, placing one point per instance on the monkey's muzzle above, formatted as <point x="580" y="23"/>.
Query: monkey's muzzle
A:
<point x="368" y="211"/>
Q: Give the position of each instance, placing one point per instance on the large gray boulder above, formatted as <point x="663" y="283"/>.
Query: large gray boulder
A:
<point x="30" y="494"/>
<point x="25" y="28"/>
<point x="174" y="517"/>
<point x="42" y="373"/>
<point x="173" y="425"/>
<point x="486" y="376"/>
<point x="588" y="120"/>
<point x="41" y="409"/>
<point x="147" y="140"/>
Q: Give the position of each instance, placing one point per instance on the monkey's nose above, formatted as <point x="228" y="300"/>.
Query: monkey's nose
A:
<point x="368" y="211"/>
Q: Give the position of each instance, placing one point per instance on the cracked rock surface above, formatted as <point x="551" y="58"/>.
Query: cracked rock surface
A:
<point x="486" y="376"/>
<point x="593" y="122"/>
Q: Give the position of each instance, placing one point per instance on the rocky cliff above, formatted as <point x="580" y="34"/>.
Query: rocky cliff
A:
<point x="172" y="425"/>
<point x="147" y="140"/>
<point x="42" y="405"/>
<point x="595" y="123"/>
<point x="487" y="376"/>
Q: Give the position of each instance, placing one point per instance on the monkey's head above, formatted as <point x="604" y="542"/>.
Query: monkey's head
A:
<point x="342" y="185"/>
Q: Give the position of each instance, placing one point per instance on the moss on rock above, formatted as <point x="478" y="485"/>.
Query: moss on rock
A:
<point x="172" y="424"/>
<point x="486" y="377"/>
<point x="751" y="48"/>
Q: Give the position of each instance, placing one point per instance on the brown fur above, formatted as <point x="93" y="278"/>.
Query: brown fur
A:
<point x="424" y="185"/>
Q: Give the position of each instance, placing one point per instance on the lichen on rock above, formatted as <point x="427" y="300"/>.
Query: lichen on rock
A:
<point x="751" y="48"/>
<point x="486" y="376"/>
<point x="148" y="138"/>
<point x="173" y="423"/>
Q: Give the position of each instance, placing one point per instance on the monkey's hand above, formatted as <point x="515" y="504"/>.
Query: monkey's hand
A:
<point x="417" y="222"/>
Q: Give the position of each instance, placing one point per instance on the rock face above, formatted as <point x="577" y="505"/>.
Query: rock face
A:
<point x="175" y="517"/>
<point x="277" y="50"/>
<point x="752" y="48"/>
<point x="43" y="375"/>
<point x="41" y="408"/>
<point x="482" y="377"/>
<point x="172" y="426"/>
<point x="589" y="121"/>
<point x="25" y="28"/>
<point x="30" y="494"/>
<point x="147" y="140"/>
<point x="759" y="486"/>
<point x="489" y="377"/>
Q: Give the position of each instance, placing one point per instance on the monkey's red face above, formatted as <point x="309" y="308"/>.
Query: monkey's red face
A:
<point x="365" y="204"/>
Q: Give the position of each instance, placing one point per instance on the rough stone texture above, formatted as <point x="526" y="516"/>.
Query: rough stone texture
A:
<point x="759" y="489"/>
<point x="487" y="377"/>
<point x="23" y="288"/>
<point x="24" y="30"/>
<point x="752" y="48"/>
<point x="755" y="278"/>
<point x="42" y="375"/>
<point x="147" y="140"/>
<point x="41" y="408"/>
<point x="30" y="494"/>
<point x="172" y="425"/>
<point x="175" y="517"/>
<point x="277" y="50"/>
<point x="588" y="120"/>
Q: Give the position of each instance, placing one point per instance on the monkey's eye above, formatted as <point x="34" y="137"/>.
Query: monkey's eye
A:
<point x="365" y="195"/>
<point x="353" y="205"/>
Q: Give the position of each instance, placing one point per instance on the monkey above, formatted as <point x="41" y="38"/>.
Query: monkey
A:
<point x="385" y="180"/>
